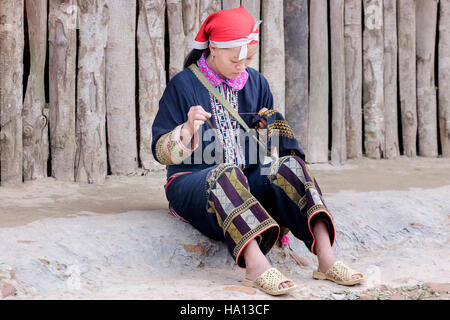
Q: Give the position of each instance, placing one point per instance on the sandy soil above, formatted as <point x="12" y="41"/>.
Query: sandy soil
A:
<point x="404" y="268"/>
<point x="47" y="198"/>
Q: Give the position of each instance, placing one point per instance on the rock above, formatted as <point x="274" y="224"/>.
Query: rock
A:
<point x="300" y="260"/>
<point x="438" y="287"/>
<point x="397" y="296"/>
<point x="194" y="248"/>
<point x="8" y="290"/>
<point x="241" y="289"/>
<point x="373" y="276"/>
<point x="365" y="297"/>
<point x="352" y="296"/>
<point x="338" y="296"/>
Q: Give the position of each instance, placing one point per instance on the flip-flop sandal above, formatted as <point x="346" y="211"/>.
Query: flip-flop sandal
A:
<point x="269" y="282"/>
<point x="340" y="274"/>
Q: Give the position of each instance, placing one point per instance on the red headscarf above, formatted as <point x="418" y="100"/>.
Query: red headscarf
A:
<point x="228" y="29"/>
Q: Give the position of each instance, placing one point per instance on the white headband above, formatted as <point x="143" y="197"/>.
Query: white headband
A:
<point x="243" y="42"/>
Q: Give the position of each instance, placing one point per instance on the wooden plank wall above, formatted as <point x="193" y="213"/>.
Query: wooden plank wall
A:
<point x="354" y="78"/>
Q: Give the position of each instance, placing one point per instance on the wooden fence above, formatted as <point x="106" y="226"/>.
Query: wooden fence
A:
<point x="80" y="80"/>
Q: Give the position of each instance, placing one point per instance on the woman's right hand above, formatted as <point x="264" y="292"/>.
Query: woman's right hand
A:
<point x="196" y="118"/>
<point x="263" y="122"/>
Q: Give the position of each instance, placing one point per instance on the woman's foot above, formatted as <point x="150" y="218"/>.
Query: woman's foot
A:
<point x="327" y="263"/>
<point x="340" y="274"/>
<point x="325" y="254"/>
<point x="257" y="263"/>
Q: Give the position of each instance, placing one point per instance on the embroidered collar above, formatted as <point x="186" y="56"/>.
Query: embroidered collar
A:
<point x="216" y="79"/>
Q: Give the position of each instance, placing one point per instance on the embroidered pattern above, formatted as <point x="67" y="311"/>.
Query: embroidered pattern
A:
<point x="216" y="79"/>
<point x="269" y="113"/>
<point x="283" y="127"/>
<point x="291" y="175"/>
<point x="238" y="213"/>
<point x="227" y="127"/>
<point x="170" y="150"/>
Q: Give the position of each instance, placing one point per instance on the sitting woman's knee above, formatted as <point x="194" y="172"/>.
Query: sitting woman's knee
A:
<point x="228" y="168"/>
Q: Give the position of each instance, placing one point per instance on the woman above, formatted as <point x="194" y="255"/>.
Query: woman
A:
<point x="232" y="200"/>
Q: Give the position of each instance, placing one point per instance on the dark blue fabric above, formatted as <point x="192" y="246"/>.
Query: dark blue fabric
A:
<point x="280" y="207"/>
<point x="286" y="145"/>
<point x="187" y="194"/>
<point x="184" y="91"/>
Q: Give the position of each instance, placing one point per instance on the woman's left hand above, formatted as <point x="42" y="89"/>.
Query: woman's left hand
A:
<point x="262" y="122"/>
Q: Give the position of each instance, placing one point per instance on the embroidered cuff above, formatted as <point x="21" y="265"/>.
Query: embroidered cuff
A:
<point x="170" y="150"/>
<point x="193" y="143"/>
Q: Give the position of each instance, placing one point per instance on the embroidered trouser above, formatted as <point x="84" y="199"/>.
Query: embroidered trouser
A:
<point x="228" y="204"/>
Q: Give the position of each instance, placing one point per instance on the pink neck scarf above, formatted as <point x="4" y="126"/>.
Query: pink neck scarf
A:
<point x="216" y="79"/>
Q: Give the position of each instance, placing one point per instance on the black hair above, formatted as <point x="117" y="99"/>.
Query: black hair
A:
<point x="194" y="56"/>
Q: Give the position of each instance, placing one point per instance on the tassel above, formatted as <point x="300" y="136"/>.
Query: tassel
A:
<point x="284" y="242"/>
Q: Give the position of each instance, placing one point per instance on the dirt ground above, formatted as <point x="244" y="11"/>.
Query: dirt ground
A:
<point x="50" y="198"/>
<point x="409" y="270"/>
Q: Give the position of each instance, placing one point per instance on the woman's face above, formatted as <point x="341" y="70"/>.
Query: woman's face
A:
<point x="226" y="61"/>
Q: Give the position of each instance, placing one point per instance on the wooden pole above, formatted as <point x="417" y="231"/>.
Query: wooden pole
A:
<point x="176" y="37"/>
<point x="11" y="91"/>
<point x="272" y="50"/>
<point x="120" y="98"/>
<point x="373" y="84"/>
<point x="35" y="111"/>
<point x="407" y="74"/>
<point x="353" y="77"/>
<point x="391" y="149"/>
<point x="91" y="158"/>
<point x="296" y="34"/>
<point x="338" y="143"/>
<point x="444" y="76"/>
<point x="230" y="4"/>
<point x="62" y="77"/>
<point x="426" y="25"/>
<point x="254" y="8"/>
<point x="152" y="75"/>
<point x="183" y="21"/>
<point x="191" y="23"/>
<point x="318" y="87"/>
<point x="207" y="7"/>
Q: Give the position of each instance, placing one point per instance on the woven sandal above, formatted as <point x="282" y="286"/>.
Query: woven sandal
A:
<point x="340" y="274"/>
<point x="269" y="282"/>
